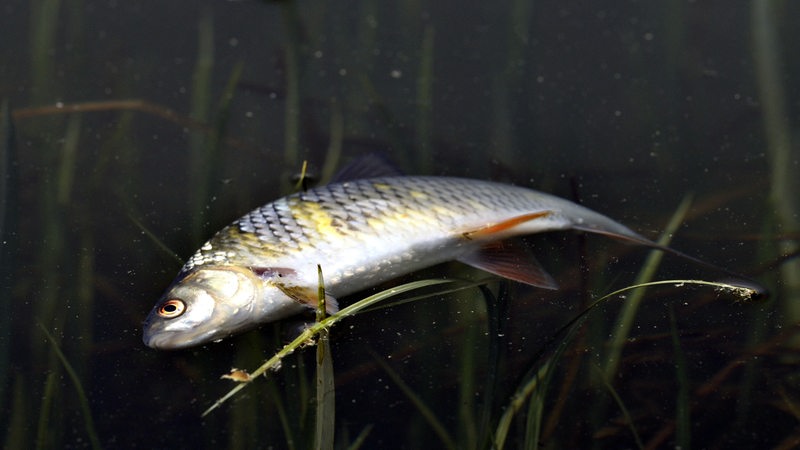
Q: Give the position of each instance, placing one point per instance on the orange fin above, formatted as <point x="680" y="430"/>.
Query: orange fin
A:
<point x="509" y="261"/>
<point x="504" y="225"/>
<point x="308" y="297"/>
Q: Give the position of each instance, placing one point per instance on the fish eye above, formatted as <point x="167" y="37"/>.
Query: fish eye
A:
<point x="172" y="308"/>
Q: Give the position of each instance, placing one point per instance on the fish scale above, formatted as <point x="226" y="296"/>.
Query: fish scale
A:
<point x="263" y="267"/>
<point x="286" y="222"/>
<point x="316" y="225"/>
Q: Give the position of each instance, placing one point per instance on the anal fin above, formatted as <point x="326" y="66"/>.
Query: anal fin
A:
<point x="512" y="262"/>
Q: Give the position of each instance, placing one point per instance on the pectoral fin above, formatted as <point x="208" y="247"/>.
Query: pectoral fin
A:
<point x="273" y="272"/>
<point x="308" y="297"/>
<point x="508" y="261"/>
<point x="505" y="225"/>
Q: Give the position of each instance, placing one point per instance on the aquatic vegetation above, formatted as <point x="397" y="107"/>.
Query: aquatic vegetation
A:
<point x="532" y="390"/>
<point x="84" y="401"/>
<point x="622" y="327"/>
<point x="310" y="333"/>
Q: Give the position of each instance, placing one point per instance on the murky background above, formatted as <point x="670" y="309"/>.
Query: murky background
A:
<point x="140" y="128"/>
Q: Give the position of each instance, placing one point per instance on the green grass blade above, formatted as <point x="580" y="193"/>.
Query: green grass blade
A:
<point x="742" y="293"/>
<point x="533" y="432"/>
<point x="517" y="402"/>
<point x="44" y="438"/>
<point x="326" y="406"/>
<point x="43" y="40"/>
<point x="467" y="386"/>
<point x="155" y="239"/>
<point x="766" y="18"/>
<point x="425" y="115"/>
<point x="84" y="401"/>
<point x="214" y="146"/>
<point x="621" y="405"/>
<point x="283" y="416"/>
<point x="325" y="402"/>
<point x="16" y="437"/>
<point x="683" y="436"/>
<point x="334" y="153"/>
<point x="427" y="413"/>
<point x="8" y="236"/>
<point x="537" y="381"/>
<point x="458" y="286"/>
<point x="69" y="154"/>
<point x="496" y="312"/>
<point x="309" y="333"/>
<point x="360" y="439"/>
<point x="199" y="164"/>
<point x="624" y="322"/>
<point x="292" y="54"/>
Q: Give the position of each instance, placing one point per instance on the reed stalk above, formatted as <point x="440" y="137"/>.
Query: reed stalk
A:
<point x="18" y="422"/>
<point x="750" y="385"/>
<point x="427" y="413"/>
<point x="48" y="435"/>
<point x="534" y="386"/>
<point x="531" y="383"/>
<point x="497" y="314"/>
<point x="9" y="216"/>
<point x="325" y="420"/>
<point x="245" y="422"/>
<point x="68" y="161"/>
<point x="82" y="398"/>
<point x="42" y="42"/>
<point x="508" y="78"/>
<point x="425" y="115"/>
<point x="200" y="162"/>
<point x="621" y="404"/>
<point x="54" y="263"/>
<point x="53" y="267"/>
<point x="292" y="53"/>
<point x="308" y="335"/>
<point x="286" y="424"/>
<point x="334" y="154"/>
<point x="358" y="442"/>
<point x="766" y="48"/>
<point x="624" y="322"/>
<point x="468" y="384"/>
<point x="683" y="423"/>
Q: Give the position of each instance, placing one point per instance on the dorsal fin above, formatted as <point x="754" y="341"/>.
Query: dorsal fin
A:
<point x="370" y="165"/>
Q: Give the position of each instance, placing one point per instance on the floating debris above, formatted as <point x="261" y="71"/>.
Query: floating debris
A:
<point x="238" y="375"/>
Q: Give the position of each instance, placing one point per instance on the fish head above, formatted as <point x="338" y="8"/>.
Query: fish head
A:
<point x="208" y="304"/>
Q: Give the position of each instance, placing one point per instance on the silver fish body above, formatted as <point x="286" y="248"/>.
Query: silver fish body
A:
<point x="263" y="267"/>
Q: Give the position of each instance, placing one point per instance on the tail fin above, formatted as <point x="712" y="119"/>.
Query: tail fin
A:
<point x="634" y="238"/>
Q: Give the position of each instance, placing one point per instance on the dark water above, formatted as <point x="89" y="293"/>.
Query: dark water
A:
<point x="627" y="106"/>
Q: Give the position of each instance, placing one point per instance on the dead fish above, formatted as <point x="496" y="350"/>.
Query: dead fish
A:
<point x="263" y="267"/>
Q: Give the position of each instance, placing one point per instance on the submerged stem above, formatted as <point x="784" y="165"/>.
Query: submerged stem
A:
<point x="308" y="335"/>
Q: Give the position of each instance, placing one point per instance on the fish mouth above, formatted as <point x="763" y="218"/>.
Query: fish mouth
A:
<point x="166" y="340"/>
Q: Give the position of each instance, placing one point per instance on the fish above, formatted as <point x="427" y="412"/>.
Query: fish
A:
<point x="363" y="232"/>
